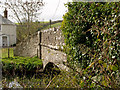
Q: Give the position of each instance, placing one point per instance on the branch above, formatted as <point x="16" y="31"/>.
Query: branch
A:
<point x="50" y="83"/>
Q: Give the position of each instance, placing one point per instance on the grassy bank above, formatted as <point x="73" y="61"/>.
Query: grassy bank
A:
<point x="20" y="66"/>
<point x="52" y="25"/>
<point x="15" y="65"/>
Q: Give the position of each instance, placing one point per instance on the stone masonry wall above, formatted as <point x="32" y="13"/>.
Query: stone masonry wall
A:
<point x="52" y="38"/>
<point x="28" y="47"/>
<point x="52" y="41"/>
<point x="49" y="49"/>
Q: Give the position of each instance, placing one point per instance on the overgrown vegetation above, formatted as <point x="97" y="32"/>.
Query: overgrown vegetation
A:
<point x="21" y="66"/>
<point x="63" y="80"/>
<point x="92" y="37"/>
<point x="22" y="31"/>
<point x="21" y="69"/>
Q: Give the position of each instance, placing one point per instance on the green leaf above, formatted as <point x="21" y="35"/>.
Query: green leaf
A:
<point x="100" y="61"/>
<point x="82" y="84"/>
<point x="104" y="65"/>
<point x="114" y="68"/>
<point x="92" y="85"/>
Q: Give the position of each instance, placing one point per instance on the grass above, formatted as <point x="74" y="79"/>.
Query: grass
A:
<point x="56" y="24"/>
<point x="53" y="25"/>
<point x="63" y="80"/>
<point x="44" y="22"/>
<point x="17" y="59"/>
<point x="19" y="65"/>
<point x="5" y="52"/>
<point x="22" y="60"/>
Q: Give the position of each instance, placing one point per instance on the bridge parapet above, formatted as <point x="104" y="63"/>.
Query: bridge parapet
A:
<point x="47" y="45"/>
<point x="52" y="42"/>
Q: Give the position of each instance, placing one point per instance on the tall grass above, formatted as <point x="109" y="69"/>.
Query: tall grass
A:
<point x="7" y="52"/>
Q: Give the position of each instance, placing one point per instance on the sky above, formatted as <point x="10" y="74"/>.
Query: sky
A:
<point x="53" y="9"/>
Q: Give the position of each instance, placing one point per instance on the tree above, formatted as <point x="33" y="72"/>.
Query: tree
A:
<point x="24" y="13"/>
<point x="28" y="10"/>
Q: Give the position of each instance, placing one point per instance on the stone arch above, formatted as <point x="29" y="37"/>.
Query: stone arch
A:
<point x="51" y="69"/>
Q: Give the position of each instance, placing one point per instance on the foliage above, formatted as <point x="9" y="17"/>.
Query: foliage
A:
<point x="22" y="31"/>
<point x="92" y="37"/>
<point x="21" y="65"/>
<point x="63" y="80"/>
<point x="24" y="11"/>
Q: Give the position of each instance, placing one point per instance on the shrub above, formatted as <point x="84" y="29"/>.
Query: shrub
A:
<point x="91" y="32"/>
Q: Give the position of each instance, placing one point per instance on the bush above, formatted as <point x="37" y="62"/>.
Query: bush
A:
<point x="91" y="32"/>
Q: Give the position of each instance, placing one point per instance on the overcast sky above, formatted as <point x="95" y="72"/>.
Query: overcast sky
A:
<point x="53" y="9"/>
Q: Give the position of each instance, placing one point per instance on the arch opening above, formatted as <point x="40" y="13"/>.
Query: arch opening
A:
<point x="51" y="69"/>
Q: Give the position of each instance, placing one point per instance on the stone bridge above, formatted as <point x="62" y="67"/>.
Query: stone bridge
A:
<point x="47" y="45"/>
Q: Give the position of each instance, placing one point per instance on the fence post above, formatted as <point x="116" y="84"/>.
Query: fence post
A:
<point x="50" y="23"/>
<point x="40" y="36"/>
<point x="8" y="53"/>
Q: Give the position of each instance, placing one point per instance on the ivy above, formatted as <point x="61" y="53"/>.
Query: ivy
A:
<point x="92" y="37"/>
